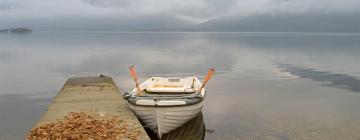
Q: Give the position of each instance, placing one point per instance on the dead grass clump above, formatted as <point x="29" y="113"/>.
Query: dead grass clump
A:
<point x="80" y="125"/>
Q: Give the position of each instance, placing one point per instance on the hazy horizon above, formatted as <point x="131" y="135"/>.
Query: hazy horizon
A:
<point x="179" y="15"/>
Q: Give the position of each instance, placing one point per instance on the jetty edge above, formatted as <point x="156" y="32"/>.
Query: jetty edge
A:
<point x="94" y="94"/>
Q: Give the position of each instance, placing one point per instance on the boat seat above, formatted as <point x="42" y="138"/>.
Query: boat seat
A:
<point x="169" y="89"/>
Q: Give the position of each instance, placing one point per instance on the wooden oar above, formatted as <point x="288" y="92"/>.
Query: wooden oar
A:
<point x="207" y="78"/>
<point x="134" y="76"/>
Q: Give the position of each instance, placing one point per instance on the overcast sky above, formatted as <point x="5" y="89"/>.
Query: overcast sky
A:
<point x="35" y="13"/>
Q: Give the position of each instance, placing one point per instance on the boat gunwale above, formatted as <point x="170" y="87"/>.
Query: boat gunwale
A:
<point x="186" y="103"/>
<point x="188" y="98"/>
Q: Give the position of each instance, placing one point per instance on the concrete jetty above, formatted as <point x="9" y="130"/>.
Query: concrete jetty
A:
<point x="91" y="94"/>
<point x="99" y="94"/>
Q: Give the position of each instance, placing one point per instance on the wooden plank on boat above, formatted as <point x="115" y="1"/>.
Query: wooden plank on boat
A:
<point x="91" y="94"/>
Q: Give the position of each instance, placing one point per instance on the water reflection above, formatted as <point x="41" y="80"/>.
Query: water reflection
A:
<point x="247" y="99"/>
<point x="6" y="56"/>
<point x="19" y="112"/>
<point x="334" y="80"/>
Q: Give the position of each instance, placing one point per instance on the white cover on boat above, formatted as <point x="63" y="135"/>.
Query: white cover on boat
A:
<point x="164" y="103"/>
<point x="145" y="102"/>
<point x="170" y="89"/>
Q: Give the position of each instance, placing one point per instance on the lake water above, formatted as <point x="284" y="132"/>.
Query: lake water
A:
<point x="268" y="86"/>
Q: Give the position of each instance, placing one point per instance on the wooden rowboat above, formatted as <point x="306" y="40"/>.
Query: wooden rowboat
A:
<point x="164" y="104"/>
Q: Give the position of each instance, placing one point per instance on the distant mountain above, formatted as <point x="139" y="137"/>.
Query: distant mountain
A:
<point x="301" y="22"/>
<point x="16" y="30"/>
<point x="103" y="23"/>
<point x="285" y="23"/>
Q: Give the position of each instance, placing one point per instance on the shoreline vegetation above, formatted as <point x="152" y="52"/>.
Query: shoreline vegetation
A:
<point x="19" y="30"/>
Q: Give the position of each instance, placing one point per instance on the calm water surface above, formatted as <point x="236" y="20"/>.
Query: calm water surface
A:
<point x="268" y="86"/>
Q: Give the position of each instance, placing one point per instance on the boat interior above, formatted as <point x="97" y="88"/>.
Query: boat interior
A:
<point x="163" y="85"/>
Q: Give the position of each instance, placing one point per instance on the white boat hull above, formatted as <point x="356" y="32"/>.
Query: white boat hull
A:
<point x="165" y="119"/>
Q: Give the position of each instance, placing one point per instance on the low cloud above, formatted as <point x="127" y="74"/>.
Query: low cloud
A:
<point x="8" y="5"/>
<point x="111" y="3"/>
<point x="20" y="12"/>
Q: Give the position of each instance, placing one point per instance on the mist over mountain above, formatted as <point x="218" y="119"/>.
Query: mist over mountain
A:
<point x="183" y="15"/>
<point x="285" y="23"/>
<point x="105" y="23"/>
<point x="254" y="23"/>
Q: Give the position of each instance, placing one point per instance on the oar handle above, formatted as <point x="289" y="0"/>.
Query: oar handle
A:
<point x="134" y="76"/>
<point x="207" y="78"/>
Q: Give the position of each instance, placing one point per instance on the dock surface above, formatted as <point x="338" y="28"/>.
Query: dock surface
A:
<point x="94" y="95"/>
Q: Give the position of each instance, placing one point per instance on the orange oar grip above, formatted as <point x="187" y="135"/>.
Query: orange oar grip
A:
<point x="209" y="75"/>
<point x="133" y="72"/>
<point x="134" y="76"/>
<point x="207" y="78"/>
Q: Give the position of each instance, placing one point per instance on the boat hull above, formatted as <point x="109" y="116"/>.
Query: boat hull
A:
<point x="165" y="119"/>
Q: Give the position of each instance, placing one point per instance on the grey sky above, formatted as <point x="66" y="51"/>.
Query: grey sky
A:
<point x="35" y="13"/>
